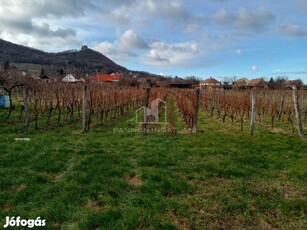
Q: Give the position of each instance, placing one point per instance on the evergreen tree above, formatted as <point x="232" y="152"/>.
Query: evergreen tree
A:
<point x="42" y="72"/>
<point x="6" y="65"/>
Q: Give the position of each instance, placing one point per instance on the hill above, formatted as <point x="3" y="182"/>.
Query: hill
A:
<point x="83" y="61"/>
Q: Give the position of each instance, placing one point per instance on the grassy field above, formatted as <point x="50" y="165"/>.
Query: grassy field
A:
<point x="110" y="178"/>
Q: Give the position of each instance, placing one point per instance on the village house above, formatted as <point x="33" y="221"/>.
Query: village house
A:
<point x="258" y="83"/>
<point x="179" y="83"/>
<point x="293" y="83"/>
<point x="45" y="78"/>
<point x="35" y="78"/>
<point x="32" y="79"/>
<point x="108" y="78"/>
<point x="241" y="83"/>
<point x="210" y="84"/>
<point x="70" y="78"/>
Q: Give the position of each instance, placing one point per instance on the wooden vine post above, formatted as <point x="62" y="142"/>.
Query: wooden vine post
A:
<point x="26" y="101"/>
<point x="253" y="114"/>
<point x="281" y="108"/>
<point x="196" y="105"/>
<point x="300" y="129"/>
<point x="84" y="105"/>
<point x="147" y="86"/>
<point x="26" y="106"/>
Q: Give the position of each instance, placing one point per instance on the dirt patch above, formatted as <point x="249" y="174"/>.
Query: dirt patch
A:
<point x="20" y="188"/>
<point x="278" y="130"/>
<point x="263" y="225"/>
<point x="94" y="205"/>
<point x="287" y="190"/>
<point x="58" y="176"/>
<point x="181" y="223"/>
<point x="5" y="206"/>
<point x="291" y="191"/>
<point x="135" y="181"/>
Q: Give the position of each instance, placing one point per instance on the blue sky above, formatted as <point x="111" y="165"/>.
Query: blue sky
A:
<point x="219" y="38"/>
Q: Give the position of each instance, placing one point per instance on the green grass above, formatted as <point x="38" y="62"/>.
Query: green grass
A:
<point x="219" y="178"/>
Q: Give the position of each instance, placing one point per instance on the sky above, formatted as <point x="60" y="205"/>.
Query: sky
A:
<point x="218" y="38"/>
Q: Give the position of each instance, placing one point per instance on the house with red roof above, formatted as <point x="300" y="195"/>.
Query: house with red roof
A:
<point x="257" y="83"/>
<point x="293" y="83"/>
<point x="109" y="78"/>
<point x="210" y="83"/>
<point x="240" y="83"/>
<point x="178" y="82"/>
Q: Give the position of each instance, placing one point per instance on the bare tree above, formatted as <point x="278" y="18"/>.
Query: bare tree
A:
<point x="192" y="80"/>
<point x="9" y="80"/>
<point x="279" y="82"/>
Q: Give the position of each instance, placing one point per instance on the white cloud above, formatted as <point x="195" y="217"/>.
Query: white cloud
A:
<point x="171" y="55"/>
<point x="153" y="58"/>
<point x="23" y="22"/>
<point x="46" y="8"/>
<point x="291" y="30"/>
<point x="255" y="68"/>
<point x="173" y="9"/>
<point x="174" y="14"/>
<point x="130" y="39"/>
<point x="127" y="45"/>
<point x="245" y="20"/>
<point x="132" y="45"/>
<point x="164" y="33"/>
<point x="107" y="48"/>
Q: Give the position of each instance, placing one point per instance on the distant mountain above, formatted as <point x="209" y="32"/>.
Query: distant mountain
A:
<point x="84" y="61"/>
